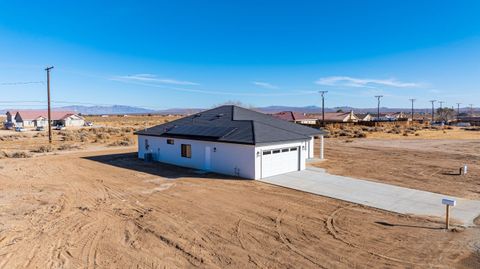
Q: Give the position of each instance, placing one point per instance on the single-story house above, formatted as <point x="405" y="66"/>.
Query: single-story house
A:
<point x="11" y="117"/>
<point x="474" y="121"/>
<point x="391" y="116"/>
<point x="36" y="118"/>
<point x="339" y="117"/>
<point x="296" y="117"/>
<point x="364" y="116"/>
<point x="231" y="140"/>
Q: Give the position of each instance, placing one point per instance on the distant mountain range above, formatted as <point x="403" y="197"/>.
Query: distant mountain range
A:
<point x="120" y="110"/>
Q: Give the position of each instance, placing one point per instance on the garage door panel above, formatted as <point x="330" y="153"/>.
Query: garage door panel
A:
<point x="279" y="161"/>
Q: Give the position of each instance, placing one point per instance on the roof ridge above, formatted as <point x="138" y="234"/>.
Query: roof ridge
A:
<point x="276" y="127"/>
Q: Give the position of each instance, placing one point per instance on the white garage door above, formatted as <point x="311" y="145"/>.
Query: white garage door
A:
<point x="280" y="161"/>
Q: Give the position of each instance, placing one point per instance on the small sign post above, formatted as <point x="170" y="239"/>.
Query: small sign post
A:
<point x="448" y="203"/>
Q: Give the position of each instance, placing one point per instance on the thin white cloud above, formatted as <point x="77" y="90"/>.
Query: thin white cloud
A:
<point x="208" y="91"/>
<point x="153" y="79"/>
<point x="346" y="81"/>
<point x="265" y="85"/>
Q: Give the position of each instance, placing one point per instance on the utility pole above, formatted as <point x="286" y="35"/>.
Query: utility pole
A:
<point x="441" y="104"/>
<point x="49" y="108"/>
<point x="458" y="110"/>
<point x="433" y="109"/>
<point x="378" y="106"/>
<point x="323" y="105"/>
<point x="471" y="110"/>
<point x="412" y="100"/>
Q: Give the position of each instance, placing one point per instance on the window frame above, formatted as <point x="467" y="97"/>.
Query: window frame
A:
<point x="186" y="151"/>
<point x="170" y="141"/>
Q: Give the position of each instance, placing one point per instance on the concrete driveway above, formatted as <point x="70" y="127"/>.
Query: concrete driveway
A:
<point x="378" y="195"/>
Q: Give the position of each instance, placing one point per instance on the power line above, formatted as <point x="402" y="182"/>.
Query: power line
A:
<point x="21" y="83"/>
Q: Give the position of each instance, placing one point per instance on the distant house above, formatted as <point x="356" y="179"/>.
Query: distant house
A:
<point x="231" y="140"/>
<point x="339" y="117"/>
<point x="11" y="116"/>
<point x="474" y="121"/>
<point x="391" y="116"/>
<point x="37" y="118"/>
<point x="364" y="117"/>
<point x="296" y="117"/>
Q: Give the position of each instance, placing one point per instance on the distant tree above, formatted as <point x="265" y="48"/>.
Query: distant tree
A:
<point x="235" y="103"/>
<point x="445" y="114"/>
<point x="339" y="111"/>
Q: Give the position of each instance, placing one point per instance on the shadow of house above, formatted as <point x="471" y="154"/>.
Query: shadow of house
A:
<point x="130" y="161"/>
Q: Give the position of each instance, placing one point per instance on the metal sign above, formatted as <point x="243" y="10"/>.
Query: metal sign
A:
<point x="449" y="202"/>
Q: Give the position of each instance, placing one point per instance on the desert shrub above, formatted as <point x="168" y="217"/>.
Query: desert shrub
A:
<point x="19" y="154"/>
<point x="42" y="149"/>
<point x="68" y="147"/>
<point x="103" y="136"/>
<point x="11" y="137"/>
<point x="417" y="134"/>
<point x="124" y="142"/>
<point x="361" y="135"/>
<point x="127" y="129"/>
<point x="3" y="154"/>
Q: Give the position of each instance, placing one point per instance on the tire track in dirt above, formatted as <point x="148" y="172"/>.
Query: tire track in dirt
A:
<point x="334" y="231"/>
<point x="286" y="241"/>
<point x="239" y="235"/>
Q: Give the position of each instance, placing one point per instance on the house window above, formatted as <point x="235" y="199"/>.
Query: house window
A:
<point x="293" y="149"/>
<point x="170" y="141"/>
<point x="285" y="150"/>
<point x="186" y="150"/>
<point x="267" y="152"/>
<point x="276" y="151"/>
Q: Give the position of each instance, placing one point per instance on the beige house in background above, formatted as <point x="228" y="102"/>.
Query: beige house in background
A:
<point x="339" y="117"/>
<point x="38" y="118"/>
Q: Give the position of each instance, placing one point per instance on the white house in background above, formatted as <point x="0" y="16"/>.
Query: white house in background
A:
<point x="231" y="140"/>
<point x="364" y="116"/>
<point x="36" y="118"/>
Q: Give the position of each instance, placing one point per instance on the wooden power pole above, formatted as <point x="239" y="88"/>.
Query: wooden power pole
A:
<point x="413" y="101"/>
<point x="378" y="106"/>
<point x="322" y="93"/>
<point x="49" y="107"/>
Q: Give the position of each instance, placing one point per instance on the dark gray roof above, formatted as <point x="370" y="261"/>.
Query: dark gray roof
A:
<point x="232" y="124"/>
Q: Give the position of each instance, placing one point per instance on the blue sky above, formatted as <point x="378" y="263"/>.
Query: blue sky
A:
<point x="164" y="54"/>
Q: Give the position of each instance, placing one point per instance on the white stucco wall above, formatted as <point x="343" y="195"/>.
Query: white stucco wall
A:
<point x="74" y="121"/>
<point x="226" y="158"/>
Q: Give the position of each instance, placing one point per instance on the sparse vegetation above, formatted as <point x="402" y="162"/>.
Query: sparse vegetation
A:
<point x="43" y="149"/>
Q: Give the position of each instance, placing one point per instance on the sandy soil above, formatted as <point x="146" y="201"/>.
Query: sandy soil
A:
<point x="106" y="209"/>
<point x="455" y="133"/>
<point x="431" y="165"/>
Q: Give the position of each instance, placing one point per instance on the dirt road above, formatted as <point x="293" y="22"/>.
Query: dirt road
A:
<point x="106" y="209"/>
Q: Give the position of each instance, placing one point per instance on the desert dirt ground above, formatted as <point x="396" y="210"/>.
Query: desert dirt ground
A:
<point x="425" y="164"/>
<point x="107" y="209"/>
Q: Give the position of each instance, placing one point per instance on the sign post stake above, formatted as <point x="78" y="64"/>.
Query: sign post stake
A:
<point x="447" y="220"/>
<point x="448" y="203"/>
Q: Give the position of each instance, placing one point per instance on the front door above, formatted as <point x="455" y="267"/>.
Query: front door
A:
<point x="208" y="159"/>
